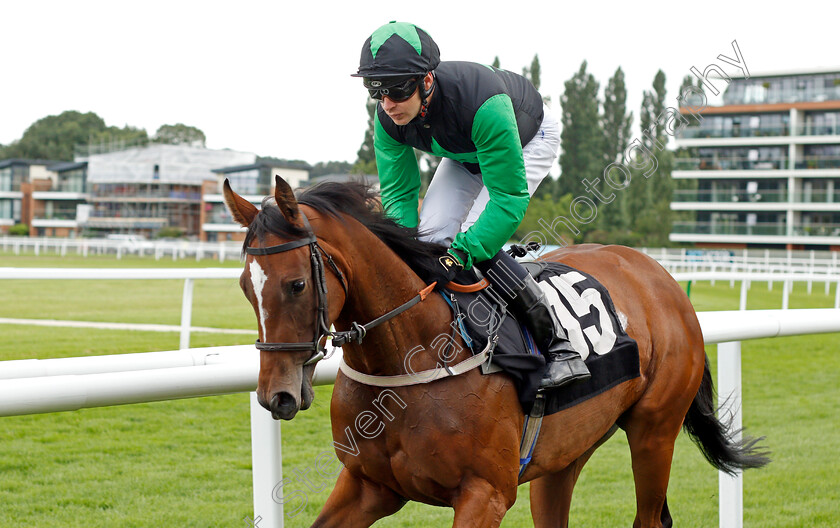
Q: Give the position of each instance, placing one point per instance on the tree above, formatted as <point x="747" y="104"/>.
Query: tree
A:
<point x="179" y="134"/>
<point x="616" y="121"/>
<point x="650" y="195"/>
<point x="532" y="73"/>
<point x="55" y="137"/>
<point x="616" y="124"/>
<point x="542" y="211"/>
<point x="496" y="63"/>
<point x="286" y="163"/>
<point x="19" y="230"/>
<point x="323" y="168"/>
<point x="366" y="156"/>
<point x="581" y="140"/>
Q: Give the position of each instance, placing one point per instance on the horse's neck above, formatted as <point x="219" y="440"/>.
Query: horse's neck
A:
<point x="380" y="282"/>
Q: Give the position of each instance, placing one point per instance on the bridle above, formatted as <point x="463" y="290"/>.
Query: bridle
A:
<point x="357" y="331"/>
<point x="322" y="325"/>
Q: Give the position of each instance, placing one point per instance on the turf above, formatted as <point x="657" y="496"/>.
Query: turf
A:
<point x="187" y="462"/>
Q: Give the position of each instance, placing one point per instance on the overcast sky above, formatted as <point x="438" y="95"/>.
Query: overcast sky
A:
<point x="272" y="77"/>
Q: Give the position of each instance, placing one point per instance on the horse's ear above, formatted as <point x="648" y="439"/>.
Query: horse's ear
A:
<point x="241" y="209"/>
<point x="285" y="198"/>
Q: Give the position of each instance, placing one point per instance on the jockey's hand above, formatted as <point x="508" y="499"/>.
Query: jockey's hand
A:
<point x="448" y="266"/>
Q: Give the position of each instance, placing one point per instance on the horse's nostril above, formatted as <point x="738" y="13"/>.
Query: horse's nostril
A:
<point x="283" y="405"/>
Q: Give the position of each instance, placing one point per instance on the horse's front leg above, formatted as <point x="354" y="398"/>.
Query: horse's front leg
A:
<point x="357" y="503"/>
<point x="481" y="505"/>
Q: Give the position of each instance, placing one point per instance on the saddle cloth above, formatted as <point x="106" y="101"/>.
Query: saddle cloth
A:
<point x="584" y="309"/>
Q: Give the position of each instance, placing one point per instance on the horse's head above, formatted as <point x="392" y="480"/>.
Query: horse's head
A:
<point x="286" y="283"/>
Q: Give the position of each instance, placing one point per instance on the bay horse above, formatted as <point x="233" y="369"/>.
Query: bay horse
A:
<point x="455" y="441"/>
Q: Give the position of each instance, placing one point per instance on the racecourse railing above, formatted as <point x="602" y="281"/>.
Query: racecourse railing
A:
<point x="188" y="275"/>
<point x="674" y="259"/>
<point x="159" y="249"/>
<point x="41" y="386"/>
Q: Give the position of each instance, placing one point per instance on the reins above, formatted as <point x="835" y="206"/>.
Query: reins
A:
<point x="357" y="331"/>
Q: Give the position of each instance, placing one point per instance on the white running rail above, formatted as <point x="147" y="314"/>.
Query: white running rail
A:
<point x="41" y="386"/>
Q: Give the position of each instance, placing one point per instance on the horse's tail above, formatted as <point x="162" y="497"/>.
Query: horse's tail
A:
<point x="715" y="438"/>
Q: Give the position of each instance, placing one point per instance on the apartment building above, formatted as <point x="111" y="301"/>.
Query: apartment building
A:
<point x="253" y="182"/>
<point x="32" y="193"/>
<point x="763" y="168"/>
<point x="137" y="190"/>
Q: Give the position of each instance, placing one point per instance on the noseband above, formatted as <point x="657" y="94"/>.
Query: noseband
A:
<point x="322" y="325"/>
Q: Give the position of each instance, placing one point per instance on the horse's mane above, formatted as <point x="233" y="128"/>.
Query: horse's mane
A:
<point x="359" y="201"/>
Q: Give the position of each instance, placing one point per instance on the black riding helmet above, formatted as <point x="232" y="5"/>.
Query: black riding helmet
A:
<point x="398" y="49"/>
<point x="395" y="58"/>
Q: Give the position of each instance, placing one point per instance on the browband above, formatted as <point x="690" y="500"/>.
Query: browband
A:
<point x="282" y="247"/>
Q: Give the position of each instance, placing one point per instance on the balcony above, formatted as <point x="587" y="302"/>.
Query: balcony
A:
<point x="194" y="197"/>
<point x="721" y="196"/>
<point x="818" y="130"/>
<point x="819" y="162"/>
<point x="767" y="95"/>
<point x="728" y="164"/>
<point x="817" y="197"/>
<point x="821" y="230"/>
<point x="729" y="228"/>
<point x="58" y="213"/>
<point x="734" y="132"/>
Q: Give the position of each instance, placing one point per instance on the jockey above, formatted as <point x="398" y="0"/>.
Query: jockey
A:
<point x="498" y="143"/>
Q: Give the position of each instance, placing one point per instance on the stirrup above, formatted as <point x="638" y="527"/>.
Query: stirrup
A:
<point x="562" y="371"/>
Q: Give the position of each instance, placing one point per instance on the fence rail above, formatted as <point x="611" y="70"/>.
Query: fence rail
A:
<point x="159" y="249"/>
<point x="42" y="386"/>
<point x="30" y="387"/>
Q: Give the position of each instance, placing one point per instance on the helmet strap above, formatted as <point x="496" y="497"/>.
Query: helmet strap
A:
<point x="424" y="96"/>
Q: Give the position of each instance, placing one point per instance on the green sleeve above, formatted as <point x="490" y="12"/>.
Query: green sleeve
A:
<point x="499" y="153"/>
<point x="399" y="176"/>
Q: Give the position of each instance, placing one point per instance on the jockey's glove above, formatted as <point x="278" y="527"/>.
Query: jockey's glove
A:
<point x="450" y="263"/>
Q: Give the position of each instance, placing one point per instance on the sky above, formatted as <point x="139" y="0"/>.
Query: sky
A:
<point x="273" y="77"/>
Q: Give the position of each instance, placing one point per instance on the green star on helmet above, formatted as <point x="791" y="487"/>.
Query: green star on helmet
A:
<point x="398" y="49"/>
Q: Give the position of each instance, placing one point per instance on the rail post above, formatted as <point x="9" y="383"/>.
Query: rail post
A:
<point x="266" y="466"/>
<point x="186" y="314"/>
<point x="730" y="487"/>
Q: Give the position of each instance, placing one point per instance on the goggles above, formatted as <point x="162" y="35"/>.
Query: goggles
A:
<point x="398" y="91"/>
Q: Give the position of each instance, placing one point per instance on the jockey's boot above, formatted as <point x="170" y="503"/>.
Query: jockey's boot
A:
<point x="529" y="304"/>
<point x="564" y="364"/>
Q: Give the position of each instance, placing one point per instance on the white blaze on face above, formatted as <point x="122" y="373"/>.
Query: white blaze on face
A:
<point x="258" y="280"/>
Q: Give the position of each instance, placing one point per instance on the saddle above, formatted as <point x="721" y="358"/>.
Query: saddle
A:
<point x="584" y="309"/>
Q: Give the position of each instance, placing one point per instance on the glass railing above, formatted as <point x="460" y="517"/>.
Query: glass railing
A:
<point x="735" y="132"/>
<point x="816" y="229"/>
<point x="81" y="189"/>
<point x="731" y="228"/>
<point x="57" y="215"/>
<point x="819" y="162"/>
<point x="143" y="195"/>
<point x="730" y="196"/>
<point x="728" y="164"/>
<point x="818" y="130"/>
<point x="831" y="93"/>
<point x="219" y="218"/>
<point x="127" y="214"/>
<point x="817" y="197"/>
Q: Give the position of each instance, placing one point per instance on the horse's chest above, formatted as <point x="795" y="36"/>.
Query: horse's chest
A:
<point x="418" y="445"/>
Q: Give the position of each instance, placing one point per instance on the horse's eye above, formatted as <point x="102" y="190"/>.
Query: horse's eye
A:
<point x="298" y="286"/>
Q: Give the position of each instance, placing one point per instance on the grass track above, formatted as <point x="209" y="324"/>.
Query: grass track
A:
<point x="187" y="462"/>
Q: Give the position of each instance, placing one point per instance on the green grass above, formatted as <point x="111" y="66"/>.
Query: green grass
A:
<point x="187" y="462"/>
